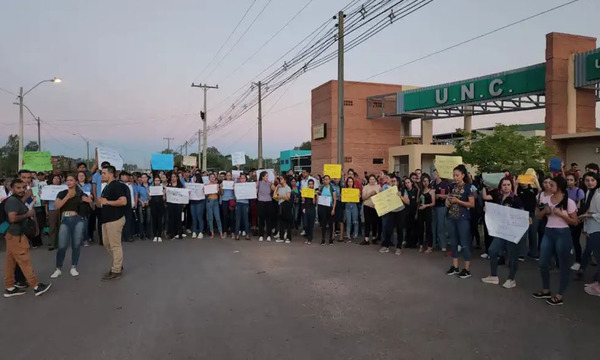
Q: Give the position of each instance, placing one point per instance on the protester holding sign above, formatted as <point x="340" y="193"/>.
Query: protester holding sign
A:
<point x="264" y="188"/>
<point x="157" y="209"/>
<point x="197" y="206"/>
<point x="351" y="214"/>
<point x="561" y="212"/>
<point x="425" y="215"/>
<point x="396" y="219"/>
<point x="284" y="194"/>
<point x="53" y="220"/>
<point x="228" y="206"/>
<point x="212" y="208"/>
<point x="174" y="211"/>
<point x="459" y="203"/>
<point x="505" y="197"/>
<point x="86" y="187"/>
<point x="326" y="200"/>
<point x="309" y="213"/>
<point x="242" y="226"/>
<point x="413" y="193"/>
<point x="527" y="194"/>
<point x="371" y="218"/>
<point x="590" y="215"/>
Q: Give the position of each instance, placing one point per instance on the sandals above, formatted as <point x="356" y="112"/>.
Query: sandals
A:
<point x="554" y="301"/>
<point x="542" y="295"/>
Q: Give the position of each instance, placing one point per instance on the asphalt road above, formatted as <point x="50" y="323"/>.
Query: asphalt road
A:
<point x="221" y="299"/>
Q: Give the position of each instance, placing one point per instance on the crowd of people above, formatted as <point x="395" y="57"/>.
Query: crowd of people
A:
<point x="108" y="207"/>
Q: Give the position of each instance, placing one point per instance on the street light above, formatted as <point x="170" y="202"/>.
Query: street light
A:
<point x="87" y="142"/>
<point x="21" y="105"/>
<point x="37" y="119"/>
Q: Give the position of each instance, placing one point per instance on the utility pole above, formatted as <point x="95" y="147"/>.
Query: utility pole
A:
<point x="260" y="147"/>
<point x="20" y="128"/>
<point x="168" y="142"/>
<point x="186" y="144"/>
<point x="204" y="116"/>
<point x="39" y="136"/>
<point x="340" y="127"/>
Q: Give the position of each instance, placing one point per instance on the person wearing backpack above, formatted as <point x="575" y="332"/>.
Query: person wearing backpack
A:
<point x="17" y="243"/>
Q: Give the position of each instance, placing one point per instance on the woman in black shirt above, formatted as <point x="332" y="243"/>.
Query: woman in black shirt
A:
<point x="175" y="225"/>
<point x="157" y="209"/>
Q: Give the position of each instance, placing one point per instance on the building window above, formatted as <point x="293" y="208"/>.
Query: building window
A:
<point x="377" y="103"/>
<point x="348" y="103"/>
<point x="378" y="161"/>
<point x="348" y="159"/>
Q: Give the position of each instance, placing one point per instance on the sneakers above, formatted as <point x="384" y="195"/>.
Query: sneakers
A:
<point x="74" y="272"/>
<point x="155" y="239"/>
<point x="509" y="284"/>
<point x="14" y="292"/>
<point x="279" y="240"/>
<point x="276" y="236"/>
<point x="398" y="252"/>
<point x="21" y="285"/>
<point x="521" y="258"/>
<point x="303" y="233"/>
<point x="592" y="289"/>
<point x="243" y="233"/>
<point x="41" y="289"/>
<point x="159" y="239"/>
<point x="452" y="271"/>
<point x="384" y="250"/>
<point x="491" y="280"/>
<point x="485" y="256"/>
<point x="542" y="295"/>
<point x="183" y="235"/>
<point x="464" y="274"/>
<point x="268" y="238"/>
<point x="200" y="235"/>
<point x="56" y="274"/>
<point x="86" y="243"/>
<point x="111" y="276"/>
<point x="260" y="238"/>
<point x="194" y="236"/>
<point x="576" y="267"/>
<point x="288" y="241"/>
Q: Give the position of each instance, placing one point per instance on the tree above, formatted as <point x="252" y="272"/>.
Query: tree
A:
<point x="32" y="146"/>
<point x="304" y="146"/>
<point x="9" y="156"/>
<point x="503" y="149"/>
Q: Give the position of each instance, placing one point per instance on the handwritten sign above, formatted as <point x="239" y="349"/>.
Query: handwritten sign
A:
<point x="245" y="191"/>
<point x="445" y="165"/>
<point x="189" y="161"/>
<point x="492" y="180"/>
<point x="238" y="158"/>
<point x="37" y="161"/>
<point x="270" y="172"/>
<point x="333" y="170"/>
<point x="211" y="189"/>
<point x="308" y="193"/>
<point x="110" y="155"/>
<point x="227" y="185"/>
<point x="505" y="222"/>
<point x="235" y="174"/>
<point x="387" y="201"/>
<point x="178" y="195"/>
<point x="162" y="161"/>
<point x="50" y="191"/>
<point x="350" y="195"/>
<point x="2" y="193"/>
<point x="324" y="200"/>
<point x="196" y="191"/>
<point x="156" y="190"/>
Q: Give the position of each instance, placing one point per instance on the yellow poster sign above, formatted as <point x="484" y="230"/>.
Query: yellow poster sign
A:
<point x="308" y="193"/>
<point x="526" y="179"/>
<point x="387" y="201"/>
<point x="350" y="195"/>
<point x="333" y="170"/>
<point x="445" y="165"/>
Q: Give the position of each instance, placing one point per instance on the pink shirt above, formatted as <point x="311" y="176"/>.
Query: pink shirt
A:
<point x="555" y="221"/>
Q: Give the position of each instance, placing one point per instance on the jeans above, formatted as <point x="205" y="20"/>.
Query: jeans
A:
<point x="592" y="245"/>
<point x="556" y="241"/>
<point x="144" y="216"/>
<point x="212" y="211"/>
<point x="70" y="233"/>
<point x="532" y="239"/>
<point x="128" y="227"/>
<point x="460" y="233"/>
<point x="197" y="210"/>
<point x="440" y="237"/>
<point x="496" y="249"/>
<point x="241" y="218"/>
<point x="351" y="218"/>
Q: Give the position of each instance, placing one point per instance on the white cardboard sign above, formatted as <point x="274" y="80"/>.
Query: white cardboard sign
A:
<point x="178" y="195"/>
<point x="245" y="191"/>
<point x="505" y="222"/>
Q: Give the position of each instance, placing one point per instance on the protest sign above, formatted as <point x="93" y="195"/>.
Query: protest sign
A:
<point x="350" y="195"/>
<point x="110" y="155"/>
<point x="387" y="201"/>
<point x="324" y="200"/>
<point x="270" y="172"/>
<point x="211" y="189"/>
<point x="162" y="161"/>
<point x="227" y="185"/>
<point x="555" y="164"/>
<point x="308" y="193"/>
<point x="36" y="195"/>
<point x="238" y="158"/>
<point x="156" y="190"/>
<point x="235" y="174"/>
<point x="245" y="191"/>
<point x="189" y="161"/>
<point x="492" y="180"/>
<point x="205" y="179"/>
<point x="526" y="179"/>
<point x="37" y="161"/>
<point x="505" y="222"/>
<point x="50" y="191"/>
<point x="178" y="195"/>
<point x="333" y="170"/>
<point x="196" y="191"/>
<point x="2" y="193"/>
<point x="445" y="165"/>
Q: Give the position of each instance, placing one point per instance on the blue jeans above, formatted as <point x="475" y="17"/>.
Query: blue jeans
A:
<point x="241" y="218"/>
<point x="439" y="227"/>
<point x="532" y="239"/>
<point x="459" y="231"/>
<point x="70" y="232"/>
<point x="559" y="242"/>
<point x="197" y="211"/>
<point x="592" y="245"/>
<point x="497" y="249"/>
<point x="212" y="211"/>
<point x="351" y="218"/>
<point x="144" y="221"/>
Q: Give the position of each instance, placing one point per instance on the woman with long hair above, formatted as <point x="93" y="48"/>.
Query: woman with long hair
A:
<point x="86" y="187"/>
<point x="505" y="197"/>
<point x="264" y="189"/>
<point x="310" y="212"/>
<point x="459" y="203"/>
<point x="70" y="204"/>
<point x="286" y="219"/>
<point x="326" y="212"/>
<point x="175" y="226"/>
<point x="351" y="214"/>
<point x="228" y="207"/>
<point x="157" y="209"/>
<point x="395" y="219"/>
<point x="575" y="194"/>
<point x="197" y="210"/>
<point x="425" y="215"/>
<point x="371" y="219"/>
<point x="589" y="213"/>
<point x="561" y="212"/>
<point x="212" y="209"/>
<point x="412" y="192"/>
<point x="242" y="226"/>
<point x="53" y="214"/>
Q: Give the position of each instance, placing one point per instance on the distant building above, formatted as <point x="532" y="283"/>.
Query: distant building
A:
<point x="296" y="160"/>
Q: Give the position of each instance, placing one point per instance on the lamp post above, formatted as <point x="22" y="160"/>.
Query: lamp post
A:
<point x="21" y="105"/>
<point x="37" y="119"/>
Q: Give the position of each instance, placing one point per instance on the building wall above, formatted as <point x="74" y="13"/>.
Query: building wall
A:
<point x="286" y="155"/>
<point x="582" y="151"/>
<point x="365" y="139"/>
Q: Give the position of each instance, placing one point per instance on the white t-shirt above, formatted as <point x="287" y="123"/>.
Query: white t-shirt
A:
<point x="283" y="191"/>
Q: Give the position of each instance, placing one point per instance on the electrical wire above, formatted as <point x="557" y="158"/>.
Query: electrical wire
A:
<point x="8" y="91"/>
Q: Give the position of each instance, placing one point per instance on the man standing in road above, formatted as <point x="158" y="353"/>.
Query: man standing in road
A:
<point x="113" y="202"/>
<point x="17" y="244"/>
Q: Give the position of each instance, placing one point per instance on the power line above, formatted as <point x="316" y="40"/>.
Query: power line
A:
<point x="8" y="91"/>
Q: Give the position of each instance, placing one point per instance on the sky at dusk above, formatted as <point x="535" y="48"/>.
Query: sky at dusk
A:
<point x="127" y="66"/>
